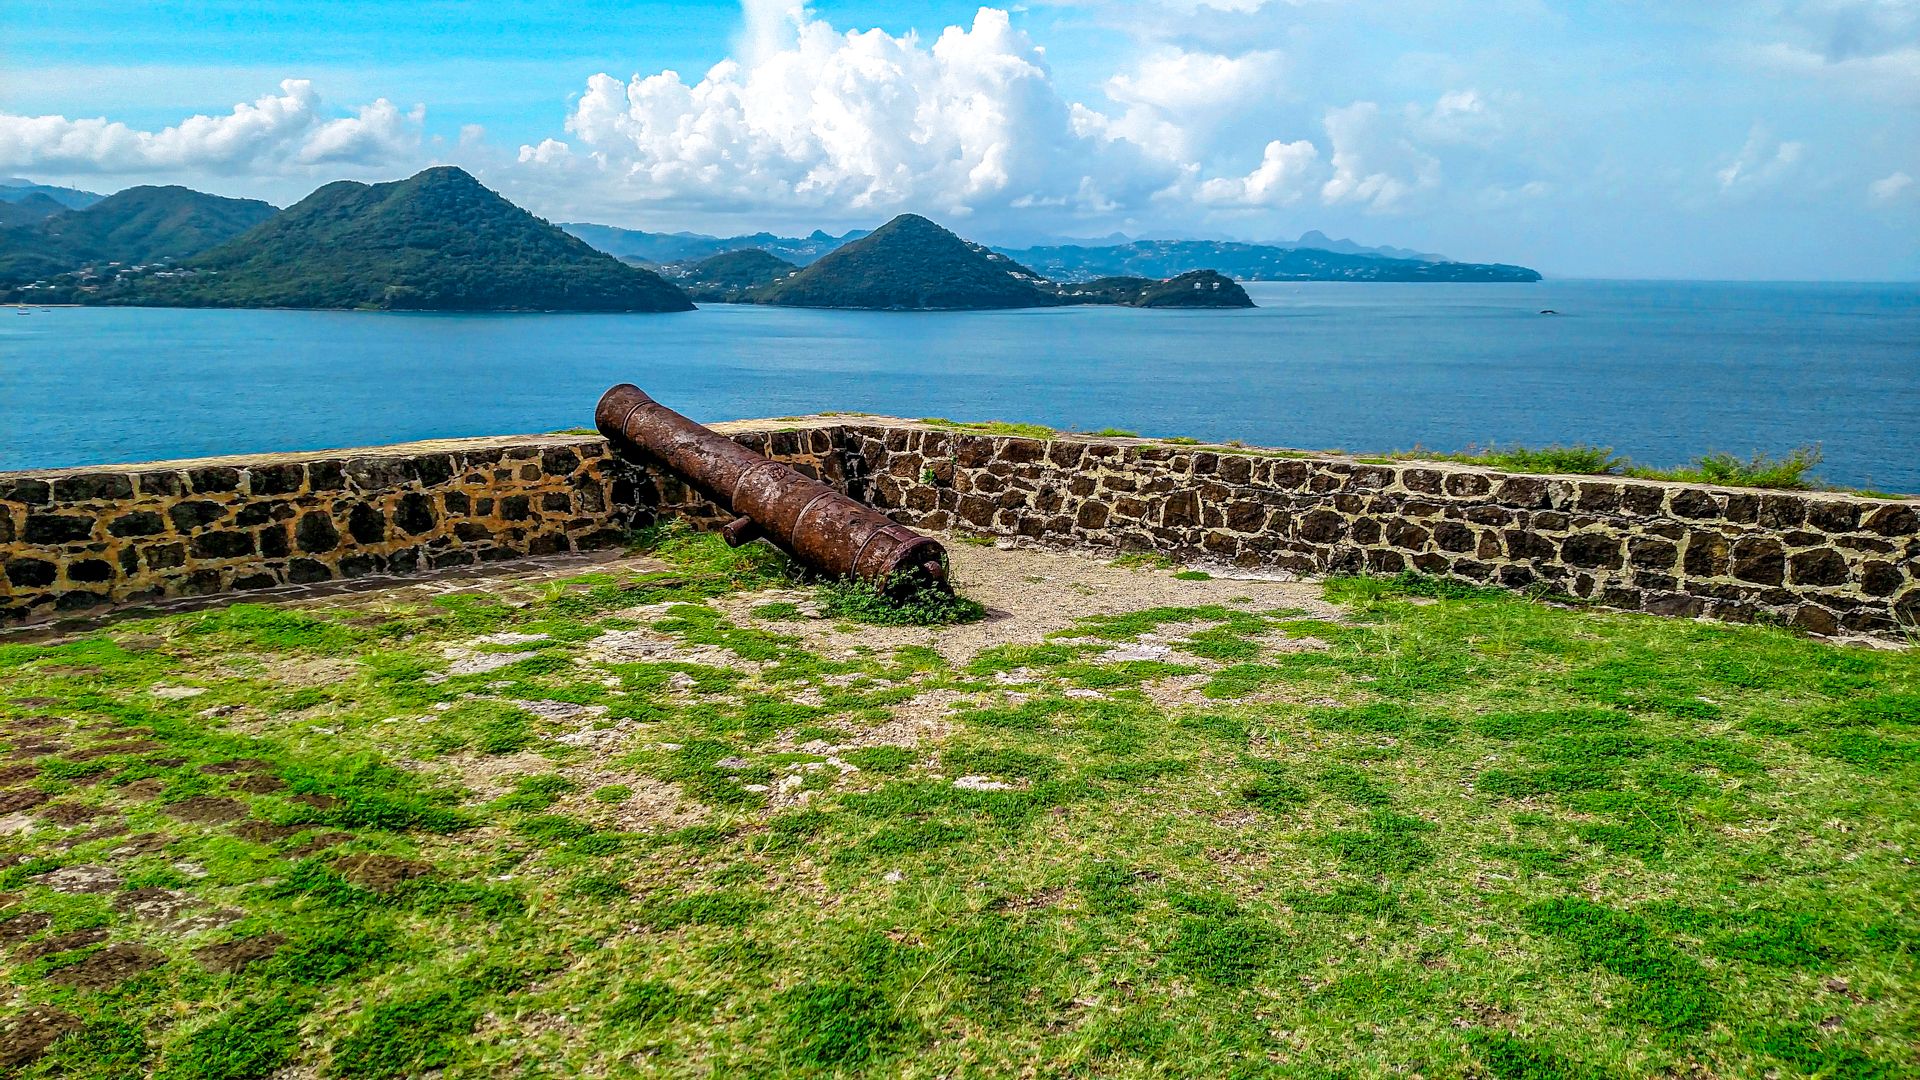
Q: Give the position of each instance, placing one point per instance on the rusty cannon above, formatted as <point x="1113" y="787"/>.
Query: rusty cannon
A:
<point x="817" y="525"/>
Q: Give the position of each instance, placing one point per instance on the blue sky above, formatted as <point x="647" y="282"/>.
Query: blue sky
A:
<point x="1753" y="139"/>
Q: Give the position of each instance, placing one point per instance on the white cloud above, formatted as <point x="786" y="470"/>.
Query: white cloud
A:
<point x="972" y="124"/>
<point x="1890" y="187"/>
<point x="377" y="133"/>
<point x="1761" y="162"/>
<point x="274" y="132"/>
<point x="860" y="121"/>
<point x="1377" y="163"/>
<point x="1179" y="102"/>
<point x="1282" y="177"/>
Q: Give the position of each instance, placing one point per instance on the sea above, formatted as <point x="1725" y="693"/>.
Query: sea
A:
<point x="1662" y="372"/>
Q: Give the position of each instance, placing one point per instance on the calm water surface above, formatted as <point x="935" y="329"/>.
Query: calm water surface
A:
<point x="1662" y="372"/>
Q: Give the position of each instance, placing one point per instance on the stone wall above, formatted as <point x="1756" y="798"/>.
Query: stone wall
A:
<point x="1823" y="562"/>
<point x="76" y="539"/>
<point x="82" y="538"/>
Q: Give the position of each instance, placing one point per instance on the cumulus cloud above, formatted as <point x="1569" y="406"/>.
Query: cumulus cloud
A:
<point x="1281" y="179"/>
<point x="1180" y="101"/>
<point x="275" y="131"/>
<point x="859" y="121"/>
<point x="808" y="118"/>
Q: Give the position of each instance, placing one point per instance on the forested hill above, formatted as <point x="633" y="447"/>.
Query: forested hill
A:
<point x="437" y="241"/>
<point x="911" y="263"/>
<point x="138" y="225"/>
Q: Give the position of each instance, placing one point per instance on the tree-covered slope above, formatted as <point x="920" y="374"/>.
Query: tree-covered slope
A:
<point x="1193" y="289"/>
<point x="911" y="264"/>
<point x="30" y="209"/>
<point x="438" y="241"/>
<point x="138" y="225"/>
<point x="729" y="276"/>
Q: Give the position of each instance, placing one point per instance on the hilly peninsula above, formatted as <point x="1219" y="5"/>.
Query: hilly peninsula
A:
<point x="729" y="277"/>
<point x="912" y="264"/>
<point x="437" y="241"/>
<point x="137" y="226"/>
<point x="1251" y="262"/>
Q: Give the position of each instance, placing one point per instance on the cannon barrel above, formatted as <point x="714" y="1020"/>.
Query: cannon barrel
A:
<point x="816" y="524"/>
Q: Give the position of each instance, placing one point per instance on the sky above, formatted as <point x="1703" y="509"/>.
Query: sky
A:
<point x="1723" y="139"/>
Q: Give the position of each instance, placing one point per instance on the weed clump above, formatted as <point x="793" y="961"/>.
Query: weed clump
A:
<point x="1789" y="472"/>
<point x="920" y="604"/>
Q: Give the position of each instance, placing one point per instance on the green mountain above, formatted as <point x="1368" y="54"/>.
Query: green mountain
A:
<point x="437" y="241"/>
<point x="135" y="226"/>
<point x="911" y="264"/>
<point x="1249" y="262"/>
<point x="727" y="278"/>
<point x="1195" y="288"/>
<point x="32" y="209"/>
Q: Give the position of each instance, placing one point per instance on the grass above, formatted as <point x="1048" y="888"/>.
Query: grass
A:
<point x="1792" y="471"/>
<point x="991" y="427"/>
<point x="1464" y="835"/>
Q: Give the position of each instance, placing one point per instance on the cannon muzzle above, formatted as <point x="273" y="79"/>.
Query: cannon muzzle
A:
<point x="816" y="524"/>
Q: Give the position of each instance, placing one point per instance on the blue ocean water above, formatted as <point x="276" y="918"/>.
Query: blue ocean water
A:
<point x="1660" y="371"/>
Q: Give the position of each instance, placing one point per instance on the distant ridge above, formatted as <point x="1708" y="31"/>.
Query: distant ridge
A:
<point x="1249" y="262"/>
<point x="661" y="249"/>
<point x="1313" y="257"/>
<point x="14" y="189"/>
<point x="35" y="208"/>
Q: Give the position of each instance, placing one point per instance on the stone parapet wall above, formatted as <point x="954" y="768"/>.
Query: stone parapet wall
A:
<point x="1824" y="562"/>
<point x="76" y="539"/>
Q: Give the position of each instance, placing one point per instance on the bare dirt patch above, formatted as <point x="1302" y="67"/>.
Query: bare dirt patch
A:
<point x="231" y="956"/>
<point x="14" y="800"/>
<point x="24" y="925"/>
<point x="32" y="1032"/>
<point x="59" y="943"/>
<point x="206" y="810"/>
<point x="380" y="873"/>
<point x="237" y="765"/>
<point x="258" y="785"/>
<point x="1032" y="592"/>
<point x="144" y="790"/>
<point x="67" y="814"/>
<point x="175" y="912"/>
<point x="108" y="968"/>
<point x="81" y="879"/>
